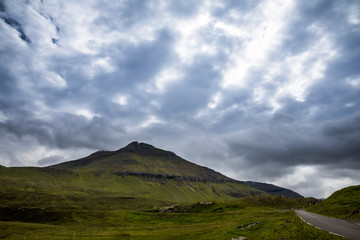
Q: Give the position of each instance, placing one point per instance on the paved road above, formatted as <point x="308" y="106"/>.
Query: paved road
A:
<point x="346" y="229"/>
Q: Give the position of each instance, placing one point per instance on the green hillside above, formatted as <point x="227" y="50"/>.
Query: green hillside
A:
<point x="344" y="204"/>
<point x="138" y="171"/>
<point x="47" y="183"/>
<point x="141" y="192"/>
<point x="137" y="176"/>
<point x="140" y="157"/>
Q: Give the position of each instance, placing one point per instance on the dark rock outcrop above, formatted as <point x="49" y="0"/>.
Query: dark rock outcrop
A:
<point x="156" y="177"/>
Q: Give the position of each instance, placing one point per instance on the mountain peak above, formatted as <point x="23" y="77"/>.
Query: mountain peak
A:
<point x="144" y="148"/>
<point x="137" y="146"/>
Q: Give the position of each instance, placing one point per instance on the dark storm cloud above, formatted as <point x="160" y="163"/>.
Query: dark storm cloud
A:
<point x="291" y="147"/>
<point x="194" y="91"/>
<point x="290" y="138"/>
<point x="6" y="83"/>
<point x="345" y="134"/>
<point x="51" y="160"/>
<point x="26" y="133"/>
<point x="63" y="131"/>
<point x="143" y="62"/>
<point x="13" y="23"/>
<point x="301" y="144"/>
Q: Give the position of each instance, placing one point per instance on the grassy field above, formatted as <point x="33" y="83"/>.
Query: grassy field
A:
<point x="253" y="217"/>
<point x="40" y="185"/>
<point x="344" y="204"/>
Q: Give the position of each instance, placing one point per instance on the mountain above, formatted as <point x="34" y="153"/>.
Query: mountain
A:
<point x="134" y="177"/>
<point x="274" y="190"/>
<point x="344" y="203"/>
<point x="143" y="159"/>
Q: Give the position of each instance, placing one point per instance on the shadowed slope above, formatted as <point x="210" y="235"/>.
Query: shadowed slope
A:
<point x="274" y="190"/>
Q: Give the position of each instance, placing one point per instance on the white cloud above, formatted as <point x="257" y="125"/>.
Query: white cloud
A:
<point x="31" y="155"/>
<point x="3" y="118"/>
<point x="353" y="81"/>
<point x="215" y="100"/>
<point x="99" y="66"/>
<point x="104" y="64"/>
<point x="308" y="180"/>
<point x="260" y="33"/>
<point x="82" y="36"/>
<point x="298" y="176"/>
<point x="165" y="77"/>
<point x="56" y="80"/>
<point x="150" y="121"/>
<point x="354" y="14"/>
<point x="259" y="94"/>
<point x="302" y="70"/>
<point x="192" y="35"/>
<point x="86" y="113"/>
<point x="348" y="105"/>
<point x="121" y="100"/>
<point x="330" y="185"/>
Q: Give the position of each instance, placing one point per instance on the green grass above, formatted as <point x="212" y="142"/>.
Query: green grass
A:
<point x="344" y="204"/>
<point x="197" y="221"/>
<point x="54" y="183"/>
<point x="37" y="203"/>
<point x="160" y="162"/>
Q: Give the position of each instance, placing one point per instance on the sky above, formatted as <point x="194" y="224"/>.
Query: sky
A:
<point x="262" y="90"/>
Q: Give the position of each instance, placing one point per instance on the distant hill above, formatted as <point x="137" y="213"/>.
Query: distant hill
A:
<point x="274" y="190"/>
<point x="344" y="203"/>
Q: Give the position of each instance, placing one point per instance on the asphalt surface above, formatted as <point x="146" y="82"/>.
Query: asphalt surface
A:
<point x="350" y="230"/>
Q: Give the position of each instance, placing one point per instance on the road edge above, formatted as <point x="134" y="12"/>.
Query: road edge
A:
<point x="336" y="234"/>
